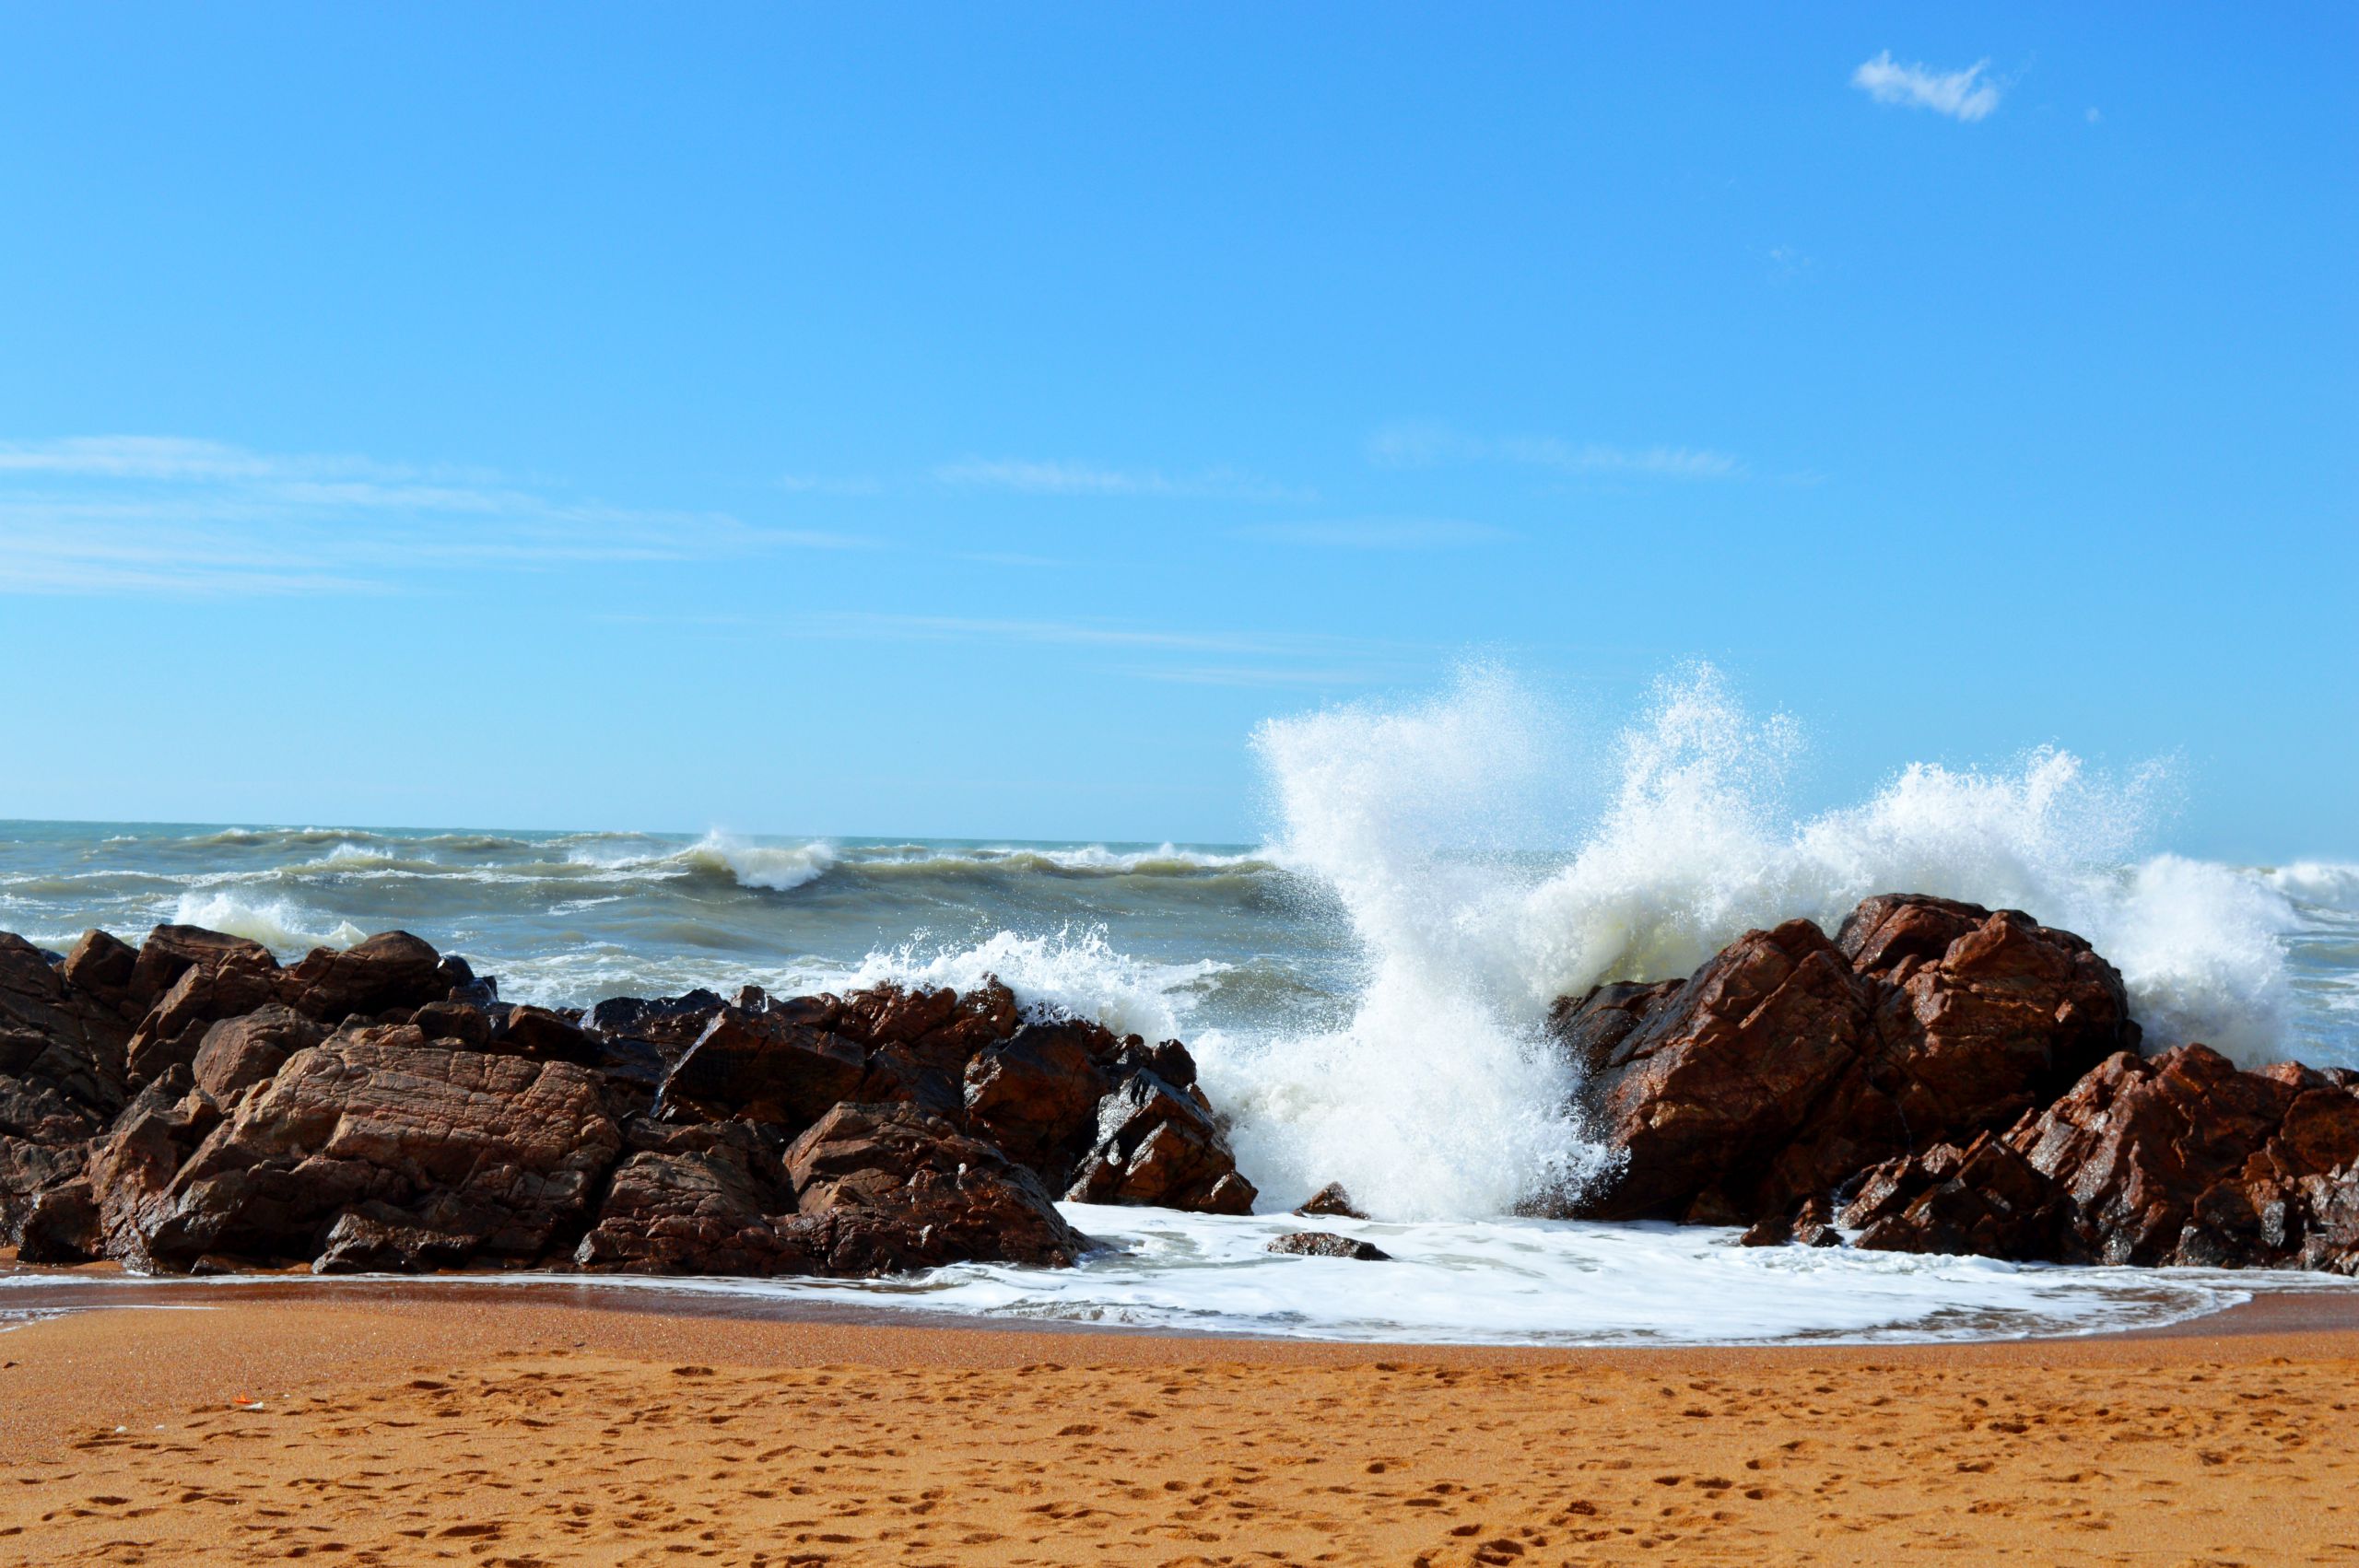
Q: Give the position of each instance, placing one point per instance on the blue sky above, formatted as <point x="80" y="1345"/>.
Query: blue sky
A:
<point x="972" y="420"/>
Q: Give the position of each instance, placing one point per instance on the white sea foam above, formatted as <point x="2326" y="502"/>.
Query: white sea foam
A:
<point x="1489" y="1281"/>
<point x="778" y="868"/>
<point x="1435" y="1101"/>
<point x="276" y="923"/>
<point x="1072" y="973"/>
<point x="2329" y="883"/>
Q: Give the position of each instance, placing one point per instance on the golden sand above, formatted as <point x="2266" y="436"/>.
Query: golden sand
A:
<point x="458" y="1430"/>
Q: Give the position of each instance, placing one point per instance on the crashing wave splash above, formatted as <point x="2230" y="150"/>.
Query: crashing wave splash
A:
<point x="1438" y="1098"/>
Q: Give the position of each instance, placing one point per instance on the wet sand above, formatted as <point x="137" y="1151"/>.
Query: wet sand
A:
<point x="528" y="1428"/>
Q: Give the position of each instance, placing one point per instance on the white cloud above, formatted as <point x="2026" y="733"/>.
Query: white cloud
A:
<point x="1036" y="477"/>
<point x="1962" y="95"/>
<point x="146" y="514"/>
<point x="1424" y="446"/>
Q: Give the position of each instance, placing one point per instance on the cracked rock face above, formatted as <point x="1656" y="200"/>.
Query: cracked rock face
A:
<point x="1790" y="1062"/>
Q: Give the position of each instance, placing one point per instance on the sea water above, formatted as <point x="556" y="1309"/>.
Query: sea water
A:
<point x="1363" y="990"/>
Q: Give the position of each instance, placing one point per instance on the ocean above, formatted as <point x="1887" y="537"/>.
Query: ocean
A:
<point x="1363" y="990"/>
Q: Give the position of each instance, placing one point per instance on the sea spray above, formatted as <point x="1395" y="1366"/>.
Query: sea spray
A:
<point x="1439" y="1097"/>
<point x="1695" y="851"/>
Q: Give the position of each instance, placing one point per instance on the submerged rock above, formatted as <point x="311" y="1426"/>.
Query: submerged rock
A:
<point x="1333" y="1203"/>
<point x="1327" y="1244"/>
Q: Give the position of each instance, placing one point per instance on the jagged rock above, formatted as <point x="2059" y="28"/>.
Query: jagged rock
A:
<point x="461" y="1142"/>
<point x="220" y="980"/>
<point x="1331" y="1202"/>
<point x="768" y="1067"/>
<point x="542" y="1034"/>
<point x="377" y="1238"/>
<point x="1035" y="1094"/>
<point x="461" y="983"/>
<point x="1983" y="1199"/>
<point x="100" y="967"/>
<point x="61" y="1224"/>
<point x="436" y="1126"/>
<point x="132" y="1167"/>
<point x="53" y="1035"/>
<point x="670" y="1024"/>
<point x="2005" y="1016"/>
<point x="236" y="1052"/>
<point x="389" y="970"/>
<point x="1812" y="1225"/>
<point x="2182" y="1159"/>
<point x="883" y="1188"/>
<point x="1158" y="1145"/>
<point x="1327" y="1244"/>
<point x="1788" y="1062"/>
<point x="459" y="1023"/>
<point x="1710" y="1081"/>
<point x="171" y="950"/>
<point x="712" y="1198"/>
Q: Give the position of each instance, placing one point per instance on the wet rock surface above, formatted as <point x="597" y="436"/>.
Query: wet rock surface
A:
<point x="1327" y="1244"/>
<point x="1333" y="1203"/>
<point x="1943" y="1078"/>
<point x="191" y="1105"/>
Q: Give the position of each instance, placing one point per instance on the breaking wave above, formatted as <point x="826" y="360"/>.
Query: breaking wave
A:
<point x="276" y="923"/>
<point x="1438" y="1098"/>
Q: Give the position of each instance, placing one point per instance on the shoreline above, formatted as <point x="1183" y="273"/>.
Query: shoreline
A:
<point x="2271" y="1307"/>
<point x="400" y="1428"/>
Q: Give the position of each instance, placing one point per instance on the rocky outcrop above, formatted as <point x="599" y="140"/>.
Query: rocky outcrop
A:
<point x="1790" y="1062"/>
<point x="191" y="1105"/>
<point x="1943" y="1078"/>
<point x="883" y="1187"/>
<point x="1094" y="1116"/>
<point x="495" y="1156"/>
<point x="2179" y="1159"/>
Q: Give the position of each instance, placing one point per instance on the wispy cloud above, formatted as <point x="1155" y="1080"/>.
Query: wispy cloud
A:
<point x="1966" y="95"/>
<point x="1377" y="533"/>
<point x="1424" y="446"/>
<point x="148" y="515"/>
<point x="1036" y="477"/>
<point x="1171" y="655"/>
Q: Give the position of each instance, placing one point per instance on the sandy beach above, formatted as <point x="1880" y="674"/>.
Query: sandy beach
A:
<point x="520" y="1430"/>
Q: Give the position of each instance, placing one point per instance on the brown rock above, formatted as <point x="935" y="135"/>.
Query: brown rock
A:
<point x="885" y="1188"/>
<point x="102" y="966"/>
<point x="463" y="1142"/>
<point x="236" y="1052"/>
<point x="2182" y="1159"/>
<point x="222" y="980"/>
<point x="1036" y="1095"/>
<point x="1712" y="1080"/>
<point x="1157" y="1145"/>
<point x="1788" y="1063"/>
<point x="377" y="1238"/>
<point x="766" y="1066"/>
<point x="389" y="970"/>
<point x="53" y="1035"/>
<point x="170" y="951"/>
<point x="708" y="1200"/>
<point x="1985" y="1200"/>
<point x="1331" y="1202"/>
